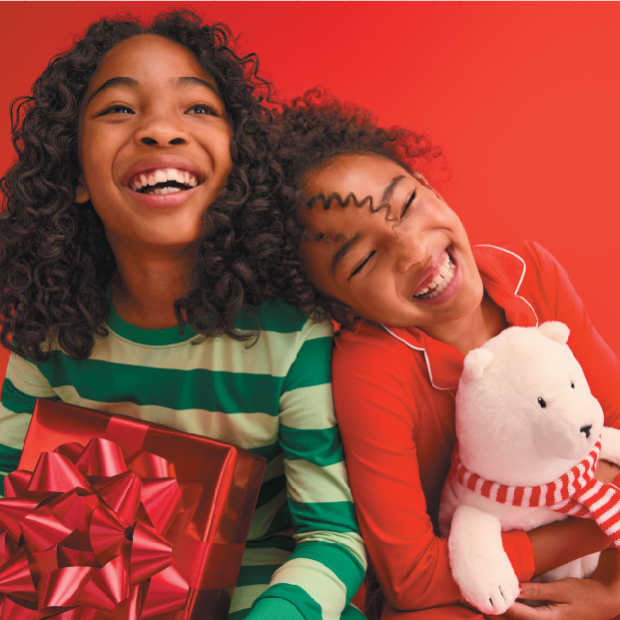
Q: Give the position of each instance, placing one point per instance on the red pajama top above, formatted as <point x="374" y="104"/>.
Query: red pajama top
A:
<point x="394" y="395"/>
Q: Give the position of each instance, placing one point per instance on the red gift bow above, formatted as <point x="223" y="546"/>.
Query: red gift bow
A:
<point x="84" y="535"/>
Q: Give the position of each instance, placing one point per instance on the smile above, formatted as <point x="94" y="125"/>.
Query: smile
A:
<point x="441" y="280"/>
<point x="163" y="181"/>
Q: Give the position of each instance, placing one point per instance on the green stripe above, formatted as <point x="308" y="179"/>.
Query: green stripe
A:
<point x="9" y="458"/>
<point x="252" y="575"/>
<point x="319" y="446"/>
<point x="312" y="365"/>
<point x="269" y="452"/>
<point x="279" y="542"/>
<point x="273" y="316"/>
<point x="304" y="603"/>
<point x="15" y="400"/>
<point x="327" y="516"/>
<point x="2" y="477"/>
<point x="270" y="489"/>
<point x="281" y="520"/>
<point x="338" y="559"/>
<point x="109" y="382"/>
<point x="239" y="615"/>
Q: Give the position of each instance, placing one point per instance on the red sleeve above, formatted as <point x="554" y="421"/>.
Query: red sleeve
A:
<point x="600" y="364"/>
<point x="374" y="387"/>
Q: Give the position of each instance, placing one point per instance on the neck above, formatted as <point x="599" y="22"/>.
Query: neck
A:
<point x="147" y="285"/>
<point x="473" y="330"/>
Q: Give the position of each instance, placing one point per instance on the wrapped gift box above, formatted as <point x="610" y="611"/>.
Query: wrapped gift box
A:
<point x="110" y="517"/>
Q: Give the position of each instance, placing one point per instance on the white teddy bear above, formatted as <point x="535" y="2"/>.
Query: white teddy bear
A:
<point x="529" y="435"/>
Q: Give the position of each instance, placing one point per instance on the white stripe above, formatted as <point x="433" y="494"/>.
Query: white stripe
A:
<point x="478" y="487"/>
<point x="542" y="500"/>
<point x="493" y="491"/>
<point x="527" y="496"/>
<point x="571" y="480"/>
<point x="603" y="501"/>
<point x="591" y="492"/>
<point x="510" y="495"/>
<point x="575" y="509"/>
<point x="612" y="512"/>
<point x="319" y="582"/>
<point x="559" y="485"/>
<point x="485" y="245"/>
<point x="612" y="529"/>
<point x="466" y="478"/>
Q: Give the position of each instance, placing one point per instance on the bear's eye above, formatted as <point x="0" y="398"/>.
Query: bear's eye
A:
<point x="541" y="402"/>
<point x="572" y="385"/>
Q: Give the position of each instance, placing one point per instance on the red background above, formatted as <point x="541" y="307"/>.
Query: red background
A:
<point x="523" y="98"/>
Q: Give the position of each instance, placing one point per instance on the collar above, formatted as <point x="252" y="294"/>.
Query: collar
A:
<point x="502" y="273"/>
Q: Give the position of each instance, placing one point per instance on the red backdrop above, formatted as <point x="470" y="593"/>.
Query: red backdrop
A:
<point x="523" y="98"/>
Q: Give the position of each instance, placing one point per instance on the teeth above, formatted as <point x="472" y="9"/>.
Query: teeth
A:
<point x="140" y="181"/>
<point x="440" y="282"/>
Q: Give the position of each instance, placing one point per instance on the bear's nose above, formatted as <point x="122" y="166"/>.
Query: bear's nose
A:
<point x="586" y="430"/>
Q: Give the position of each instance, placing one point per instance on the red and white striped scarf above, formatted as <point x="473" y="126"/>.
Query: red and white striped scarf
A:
<point x="576" y="493"/>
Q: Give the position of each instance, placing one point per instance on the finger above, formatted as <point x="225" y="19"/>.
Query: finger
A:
<point x="519" y="611"/>
<point x="539" y="591"/>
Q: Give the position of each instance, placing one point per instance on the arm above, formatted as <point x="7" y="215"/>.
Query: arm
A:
<point x="23" y="384"/>
<point x="329" y="562"/>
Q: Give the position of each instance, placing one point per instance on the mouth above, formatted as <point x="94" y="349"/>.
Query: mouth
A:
<point x="439" y="281"/>
<point x="162" y="181"/>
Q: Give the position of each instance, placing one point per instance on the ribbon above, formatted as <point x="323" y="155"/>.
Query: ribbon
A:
<point x="89" y="532"/>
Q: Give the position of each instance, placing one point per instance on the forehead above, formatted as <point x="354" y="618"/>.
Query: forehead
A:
<point x="363" y="175"/>
<point x="149" y="59"/>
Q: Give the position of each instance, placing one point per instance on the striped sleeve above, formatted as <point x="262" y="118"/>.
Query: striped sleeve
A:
<point x="329" y="561"/>
<point x="23" y="384"/>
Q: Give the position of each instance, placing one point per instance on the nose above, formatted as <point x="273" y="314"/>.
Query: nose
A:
<point x="409" y="251"/>
<point x="586" y="430"/>
<point x="161" y="129"/>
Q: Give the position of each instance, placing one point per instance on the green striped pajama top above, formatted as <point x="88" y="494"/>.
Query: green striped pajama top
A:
<point x="273" y="398"/>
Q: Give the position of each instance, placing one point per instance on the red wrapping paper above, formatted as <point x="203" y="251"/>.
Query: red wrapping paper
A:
<point x="111" y="517"/>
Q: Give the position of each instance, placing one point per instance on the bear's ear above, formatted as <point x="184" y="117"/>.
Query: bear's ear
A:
<point x="555" y="330"/>
<point x="476" y="362"/>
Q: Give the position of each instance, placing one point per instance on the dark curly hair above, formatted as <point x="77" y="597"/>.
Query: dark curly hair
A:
<point x="314" y="130"/>
<point x="55" y="260"/>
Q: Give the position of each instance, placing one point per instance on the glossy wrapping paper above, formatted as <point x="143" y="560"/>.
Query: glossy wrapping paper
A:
<point x="110" y="517"/>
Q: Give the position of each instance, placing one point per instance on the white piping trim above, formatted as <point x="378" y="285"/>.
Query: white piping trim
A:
<point x="485" y="245"/>
<point x="428" y="366"/>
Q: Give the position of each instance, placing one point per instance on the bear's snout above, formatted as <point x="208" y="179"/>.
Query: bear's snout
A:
<point x="586" y="430"/>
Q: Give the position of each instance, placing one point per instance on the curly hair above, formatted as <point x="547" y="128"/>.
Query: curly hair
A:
<point x="55" y="260"/>
<point x="314" y="130"/>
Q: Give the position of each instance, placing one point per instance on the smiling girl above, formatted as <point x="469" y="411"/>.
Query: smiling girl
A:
<point x="374" y="245"/>
<point x="133" y="259"/>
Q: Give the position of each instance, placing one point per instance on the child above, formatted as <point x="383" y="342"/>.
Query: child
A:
<point x="372" y="244"/>
<point x="132" y="242"/>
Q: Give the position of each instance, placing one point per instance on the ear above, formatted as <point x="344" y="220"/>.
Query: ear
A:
<point x="555" y="330"/>
<point x="476" y="362"/>
<point x="81" y="192"/>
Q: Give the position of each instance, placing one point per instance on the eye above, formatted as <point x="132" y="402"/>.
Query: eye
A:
<point x="572" y="385"/>
<point x="118" y="108"/>
<point x="408" y="204"/>
<point x="203" y="108"/>
<point x="361" y="265"/>
<point x="541" y="402"/>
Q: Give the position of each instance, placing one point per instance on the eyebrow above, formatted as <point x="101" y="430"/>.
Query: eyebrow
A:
<point x="115" y="81"/>
<point x="388" y="192"/>
<point x="131" y="83"/>
<point x="344" y="249"/>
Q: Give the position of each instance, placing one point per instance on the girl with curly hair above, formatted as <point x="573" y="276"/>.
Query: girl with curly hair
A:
<point x="135" y="244"/>
<point x="373" y="245"/>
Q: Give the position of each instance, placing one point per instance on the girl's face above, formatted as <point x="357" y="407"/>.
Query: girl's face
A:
<point x="154" y="144"/>
<point x="416" y="270"/>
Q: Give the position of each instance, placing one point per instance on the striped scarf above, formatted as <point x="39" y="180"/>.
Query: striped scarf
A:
<point x="576" y="493"/>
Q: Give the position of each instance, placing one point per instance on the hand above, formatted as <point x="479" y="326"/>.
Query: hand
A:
<point x="606" y="471"/>
<point x="597" y="598"/>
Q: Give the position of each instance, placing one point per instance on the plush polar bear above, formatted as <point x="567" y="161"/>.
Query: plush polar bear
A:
<point x="529" y="433"/>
